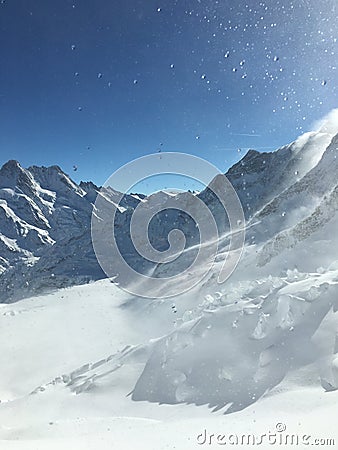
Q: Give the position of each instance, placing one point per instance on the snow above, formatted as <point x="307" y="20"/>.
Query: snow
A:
<point x="90" y="366"/>
<point x="96" y="338"/>
<point x="49" y="216"/>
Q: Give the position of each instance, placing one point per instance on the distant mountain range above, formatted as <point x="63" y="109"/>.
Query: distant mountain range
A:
<point x="45" y="217"/>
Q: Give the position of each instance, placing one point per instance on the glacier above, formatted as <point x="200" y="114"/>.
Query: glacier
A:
<point x="81" y="358"/>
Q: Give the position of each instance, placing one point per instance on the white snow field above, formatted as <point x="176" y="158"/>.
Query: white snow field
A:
<point x="264" y="348"/>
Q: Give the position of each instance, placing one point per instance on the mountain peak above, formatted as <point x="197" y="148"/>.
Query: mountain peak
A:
<point x="49" y="169"/>
<point x="251" y="152"/>
<point x="88" y="186"/>
<point x="12" y="164"/>
<point x="55" y="179"/>
<point x="12" y="175"/>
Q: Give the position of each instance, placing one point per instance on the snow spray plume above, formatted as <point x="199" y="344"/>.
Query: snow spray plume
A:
<point x="329" y="124"/>
<point x="113" y="254"/>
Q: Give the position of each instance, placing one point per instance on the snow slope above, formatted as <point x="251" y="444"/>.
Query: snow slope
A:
<point x="70" y="359"/>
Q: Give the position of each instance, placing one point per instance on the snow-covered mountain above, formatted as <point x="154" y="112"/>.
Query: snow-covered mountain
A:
<point x="262" y="345"/>
<point x="45" y="229"/>
<point x="45" y="239"/>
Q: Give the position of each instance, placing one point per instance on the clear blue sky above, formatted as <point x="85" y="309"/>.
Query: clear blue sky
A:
<point x="99" y="83"/>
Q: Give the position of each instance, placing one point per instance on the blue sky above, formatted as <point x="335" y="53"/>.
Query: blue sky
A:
<point x="97" y="84"/>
